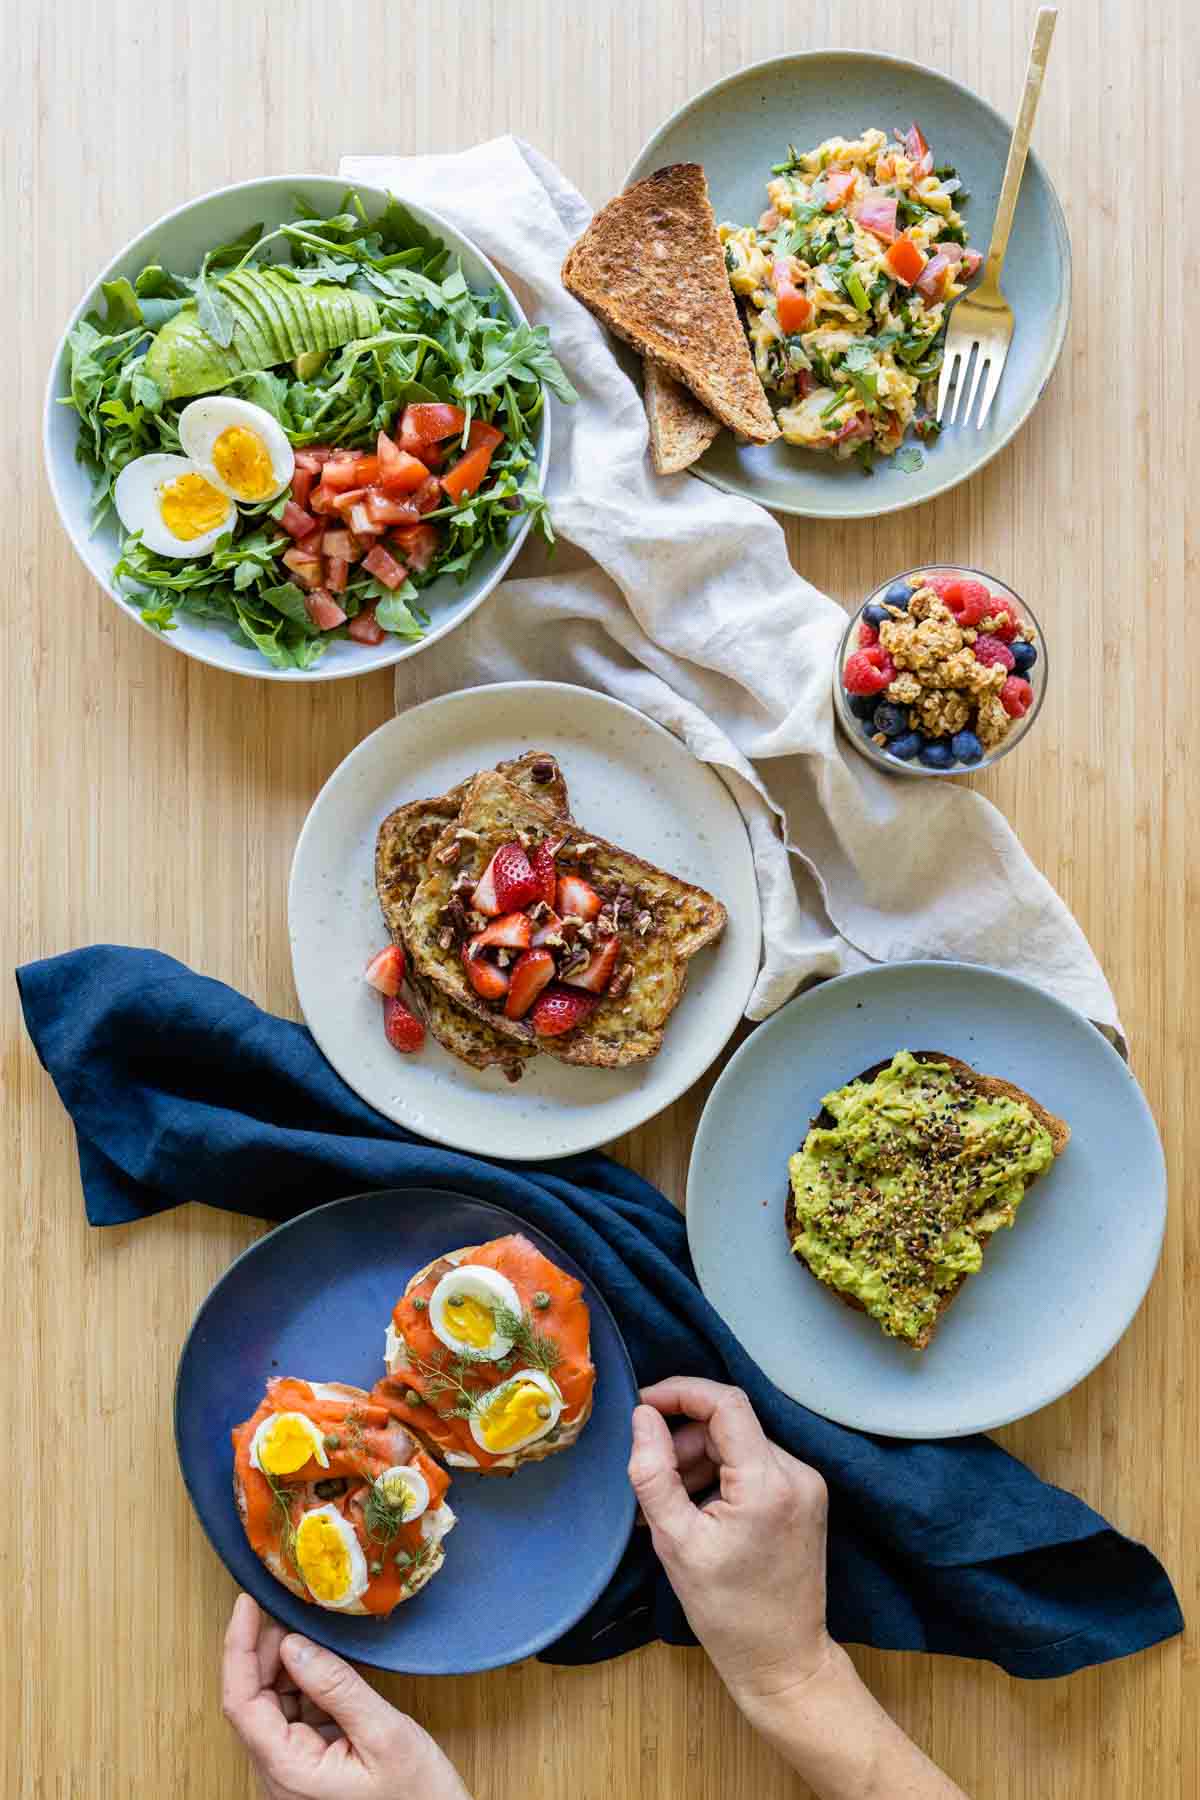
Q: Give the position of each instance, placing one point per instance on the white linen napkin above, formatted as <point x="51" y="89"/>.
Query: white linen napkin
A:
<point x="680" y="600"/>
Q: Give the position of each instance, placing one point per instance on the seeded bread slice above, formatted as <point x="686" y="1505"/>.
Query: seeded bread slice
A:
<point x="987" y="1086"/>
<point x="679" y="920"/>
<point x="651" y="266"/>
<point x="680" y="428"/>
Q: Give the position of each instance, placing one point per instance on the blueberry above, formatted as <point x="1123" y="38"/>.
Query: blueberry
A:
<point x="966" y="747"/>
<point x="862" y="705"/>
<point x="906" y="747"/>
<point x="868" y="729"/>
<point x="937" y="754"/>
<point x="891" y="720"/>
<point x="876" y="615"/>
<point x="899" y="594"/>
<point x="1024" y="655"/>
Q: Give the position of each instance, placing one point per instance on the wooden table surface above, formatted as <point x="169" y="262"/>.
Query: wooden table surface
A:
<point x="149" y="800"/>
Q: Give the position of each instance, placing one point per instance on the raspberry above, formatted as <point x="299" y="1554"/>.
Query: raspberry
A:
<point x="867" y="634"/>
<point x="990" y="651"/>
<point x="1008" y="623"/>
<point x="1016" y="696"/>
<point x="946" y="587"/>
<point x="973" y="604"/>
<point x="868" y="671"/>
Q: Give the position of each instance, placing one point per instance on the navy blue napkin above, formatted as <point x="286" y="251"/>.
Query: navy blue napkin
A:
<point x="181" y="1089"/>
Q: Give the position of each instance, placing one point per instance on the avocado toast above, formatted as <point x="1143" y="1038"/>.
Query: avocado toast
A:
<point x="904" y="1176"/>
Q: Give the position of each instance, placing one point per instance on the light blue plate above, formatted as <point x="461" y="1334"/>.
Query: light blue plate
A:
<point x="743" y="124"/>
<point x="1054" y="1294"/>
<point x="528" y="1555"/>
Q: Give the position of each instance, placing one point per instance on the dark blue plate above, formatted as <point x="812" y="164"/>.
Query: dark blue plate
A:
<point x="528" y="1556"/>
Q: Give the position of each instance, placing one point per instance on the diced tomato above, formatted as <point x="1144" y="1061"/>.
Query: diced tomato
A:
<point x="306" y="569"/>
<point x="918" y="151"/>
<point x="345" y="503"/>
<point x="341" y="473"/>
<point x="363" y="629"/>
<point x="420" y="544"/>
<point x="362" y="524"/>
<point x="383" y="566"/>
<point x="399" y="473"/>
<point x="314" y="543"/>
<point x="313" y="459"/>
<point x="483" y="436"/>
<point x="467" y="473"/>
<point x="904" y="259"/>
<point x="837" y="184"/>
<point x="337" y="573"/>
<point x="323" y="610"/>
<point x="342" y="544"/>
<point x="935" y="277"/>
<point x="295" y="521"/>
<point x="383" y="509"/>
<point x="769" y="220"/>
<point x="303" y="483"/>
<point x="428" y="497"/>
<point x="971" y="261"/>
<point x="431" y="421"/>
<point x="877" y="214"/>
<point x="321" y="500"/>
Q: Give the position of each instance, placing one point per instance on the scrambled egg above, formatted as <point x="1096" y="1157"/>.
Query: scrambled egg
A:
<point x="844" y="285"/>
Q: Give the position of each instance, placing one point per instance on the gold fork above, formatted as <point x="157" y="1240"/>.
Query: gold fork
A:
<point x="982" y="321"/>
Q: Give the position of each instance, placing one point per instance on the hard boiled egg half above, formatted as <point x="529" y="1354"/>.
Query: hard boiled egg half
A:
<point x="463" y="1308"/>
<point x="330" y="1558"/>
<point x="284" y="1442"/>
<point x="238" y="447"/>
<point x="404" y="1491"/>
<point x="177" y="509"/>
<point x="517" y="1414"/>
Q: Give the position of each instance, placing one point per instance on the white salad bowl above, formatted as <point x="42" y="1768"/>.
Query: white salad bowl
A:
<point x="179" y="240"/>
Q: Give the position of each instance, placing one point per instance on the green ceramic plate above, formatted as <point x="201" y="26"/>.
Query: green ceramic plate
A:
<point x="738" y="128"/>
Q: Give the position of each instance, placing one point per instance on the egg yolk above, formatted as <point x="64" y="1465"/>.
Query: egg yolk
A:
<point x="242" y="461"/>
<point x="519" y="1411"/>
<point x="286" y="1447"/>
<point x="323" y="1556"/>
<point x="190" y="506"/>
<point x="470" y="1321"/>
<point x="397" y="1494"/>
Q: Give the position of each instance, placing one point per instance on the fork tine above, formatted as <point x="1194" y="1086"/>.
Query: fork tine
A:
<point x="982" y="354"/>
<point x="995" y="370"/>
<point x="950" y="363"/>
<point x="960" y="383"/>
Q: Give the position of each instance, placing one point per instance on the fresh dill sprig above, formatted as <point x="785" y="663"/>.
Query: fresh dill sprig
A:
<point x="540" y="1352"/>
<point x="287" y="1531"/>
<point x="413" y="1561"/>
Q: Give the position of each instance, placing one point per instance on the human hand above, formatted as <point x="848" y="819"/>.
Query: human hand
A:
<point x="314" y="1728"/>
<point x="748" y="1567"/>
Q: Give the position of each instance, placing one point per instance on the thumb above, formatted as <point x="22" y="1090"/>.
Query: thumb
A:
<point x="654" y="1473"/>
<point x="365" y="1716"/>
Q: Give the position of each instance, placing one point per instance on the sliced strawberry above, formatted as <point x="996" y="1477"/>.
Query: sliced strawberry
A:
<point x="386" y="970"/>
<point x="323" y="610"/>
<point x="548" y="926"/>
<point x="513" y="932"/>
<point x="507" y="884"/>
<point x="530" y="974"/>
<point x="404" y="1030"/>
<point x="560" y="1009"/>
<point x="599" y="972"/>
<point x="575" y="895"/>
<point x="544" y="872"/>
<point x="488" y="981"/>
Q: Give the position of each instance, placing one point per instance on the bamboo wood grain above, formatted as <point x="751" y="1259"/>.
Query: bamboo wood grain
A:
<point x="149" y="800"/>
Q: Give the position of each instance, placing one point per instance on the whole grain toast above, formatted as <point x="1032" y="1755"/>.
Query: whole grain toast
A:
<point x="406" y="838"/>
<point x="680" y="428"/>
<point x="986" y="1085"/>
<point x="651" y="266"/>
<point x="669" y="920"/>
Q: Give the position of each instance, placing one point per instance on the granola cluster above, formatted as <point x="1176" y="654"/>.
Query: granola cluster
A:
<point x="939" y="678"/>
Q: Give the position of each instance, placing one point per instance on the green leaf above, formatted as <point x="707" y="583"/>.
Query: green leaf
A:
<point x="522" y="354"/>
<point x="213" y="311"/>
<point x="145" y="392"/>
<point x="121" y="306"/>
<point x="392" y="612"/>
<point x="910" y="459"/>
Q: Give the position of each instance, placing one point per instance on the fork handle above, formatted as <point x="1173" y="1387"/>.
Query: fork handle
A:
<point x="1019" y="148"/>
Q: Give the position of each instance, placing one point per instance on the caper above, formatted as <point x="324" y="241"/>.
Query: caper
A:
<point x="330" y="1490"/>
<point x="413" y="1398"/>
<point x="419" y="1305"/>
<point x="543" y="1412"/>
<point x="332" y="1441"/>
<point x="377" y="1568"/>
<point x="541" y="1299"/>
<point x="456" y="1300"/>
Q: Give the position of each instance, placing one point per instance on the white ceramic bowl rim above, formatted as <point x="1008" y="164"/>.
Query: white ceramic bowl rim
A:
<point x="395" y="649"/>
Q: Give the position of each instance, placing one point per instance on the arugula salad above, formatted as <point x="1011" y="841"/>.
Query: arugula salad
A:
<point x="844" y="285"/>
<point x="303" y="435"/>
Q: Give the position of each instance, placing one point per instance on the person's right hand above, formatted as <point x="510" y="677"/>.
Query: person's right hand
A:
<point x="748" y="1567"/>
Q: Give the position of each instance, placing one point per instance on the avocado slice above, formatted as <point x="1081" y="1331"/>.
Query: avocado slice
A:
<point x="293" y="311"/>
<point x="252" y="319"/>
<point x="310" y="364"/>
<point x="263" y="298"/>
<point x="184" y="360"/>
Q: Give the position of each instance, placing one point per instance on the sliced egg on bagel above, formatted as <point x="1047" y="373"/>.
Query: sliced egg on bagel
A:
<point x="404" y="1491"/>
<point x="238" y="447"/>
<point x="284" y="1442"/>
<point x="516" y="1414"/>
<point x="174" y="505"/>
<point x="330" y="1558"/>
<point x="463" y="1308"/>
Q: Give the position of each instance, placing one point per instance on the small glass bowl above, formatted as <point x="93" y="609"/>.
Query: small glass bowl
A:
<point x="855" y="728"/>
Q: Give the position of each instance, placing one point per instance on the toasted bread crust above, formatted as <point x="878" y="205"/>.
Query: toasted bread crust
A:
<point x="680" y="428"/>
<point x="651" y="266"/>
<point x="987" y="1085"/>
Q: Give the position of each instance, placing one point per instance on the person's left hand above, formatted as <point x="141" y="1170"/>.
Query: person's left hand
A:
<point x="315" y="1729"/>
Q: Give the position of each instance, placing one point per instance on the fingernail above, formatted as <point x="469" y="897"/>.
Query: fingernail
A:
<point x="298" y="1648"/>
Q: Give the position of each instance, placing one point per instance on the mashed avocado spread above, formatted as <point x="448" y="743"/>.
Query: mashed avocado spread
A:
<point x="894" y="1200"/>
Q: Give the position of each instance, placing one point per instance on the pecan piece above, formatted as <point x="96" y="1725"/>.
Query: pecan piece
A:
<point x="618" y="987"/>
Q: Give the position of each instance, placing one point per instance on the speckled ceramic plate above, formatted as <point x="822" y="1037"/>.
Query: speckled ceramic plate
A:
<point x="743" y="124"/>
<point x="630" y="782"/>
<point x="1055" y="1293"/>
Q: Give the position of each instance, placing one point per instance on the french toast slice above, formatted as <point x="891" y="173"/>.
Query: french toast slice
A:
<point x="984" y="1085"/>
<point x="406" y="838"/>
<point x="661" y="922"/>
